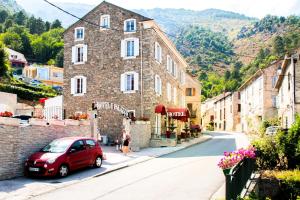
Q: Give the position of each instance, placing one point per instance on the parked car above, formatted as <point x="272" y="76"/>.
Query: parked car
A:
<point x="57" y="88"/>
<point x="272" y="130"/>
<point x="35" y="83"/>
<point x="18" y="76"/>
<point x="64" y="155"/>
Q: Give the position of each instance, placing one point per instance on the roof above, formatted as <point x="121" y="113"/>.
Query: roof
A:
<point x="222" y="96"/>
<point x="15" y="56"/>
<point x="257" y="74"/>
<point x="110" y="4"/>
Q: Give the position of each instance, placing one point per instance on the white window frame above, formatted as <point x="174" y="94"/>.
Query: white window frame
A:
<point x="158" y="52"/>
<point x="123" y="82"/>
<point x="169" y="63"/>
<point x="75" y="54"/>
<point x="74" y="88"/>
<point x="169" y="95"/>
<point x="174" y="69"/>
<point x="158" y="85"/>
<point x="75" y="33"/>
<point x="136" y="48"/>
<point x="182" y="77"/>
<point x="175" y="95"/>
<point x="125" y="25"/>
<point x="102" y="22"/>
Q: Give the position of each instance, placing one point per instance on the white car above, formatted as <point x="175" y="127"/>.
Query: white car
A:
<point x="272" y="130"/>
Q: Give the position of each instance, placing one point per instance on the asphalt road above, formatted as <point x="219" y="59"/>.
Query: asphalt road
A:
<point x="188" y="174"/>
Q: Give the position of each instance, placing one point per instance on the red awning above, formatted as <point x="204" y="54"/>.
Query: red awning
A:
<point x="160" y="109"/>
<point x="179" y="113"/>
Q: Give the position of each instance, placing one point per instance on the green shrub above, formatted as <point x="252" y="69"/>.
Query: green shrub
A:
<point x="267" y="154"/>
<point x="25" y="93"/>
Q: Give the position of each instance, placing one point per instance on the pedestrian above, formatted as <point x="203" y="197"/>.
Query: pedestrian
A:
<point x="126" y="142"/>
<point x="120" y="140"/>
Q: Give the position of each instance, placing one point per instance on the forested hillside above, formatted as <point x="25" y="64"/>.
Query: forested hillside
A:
<point x="39" y="41"/>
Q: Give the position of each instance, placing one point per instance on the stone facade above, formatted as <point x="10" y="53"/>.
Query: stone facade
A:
<point x="17" y="143"/>
<point x="288" y="85"/>
<point x="207" y="114"/>
<point x="259" y="97"/>
<point x="227" y="112"/>
<point x="104" y="67"/>
<point x="140" y="132"/>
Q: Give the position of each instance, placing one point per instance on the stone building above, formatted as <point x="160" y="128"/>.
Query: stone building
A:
<point x="227" y="109"/>
<point x="124" y="59"/>
<point x="208" y="114"/>
<point x="259" y="97"/>
<point x="288" y="85"/>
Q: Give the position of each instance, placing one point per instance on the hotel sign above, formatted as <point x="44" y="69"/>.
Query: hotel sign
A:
<point x="111" y="106"/>
<point x="176" y="114"/>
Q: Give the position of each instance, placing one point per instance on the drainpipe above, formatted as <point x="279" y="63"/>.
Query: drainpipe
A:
<point x="294" y="87"/>
<point x="141" y="69"/>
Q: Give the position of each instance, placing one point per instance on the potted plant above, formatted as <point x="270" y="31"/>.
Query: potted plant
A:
<point x="38" y="120"/>
<point x="6" y="119"/>
<point x="56" y="121"/>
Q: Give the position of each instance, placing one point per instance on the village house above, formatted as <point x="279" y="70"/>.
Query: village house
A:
<point x="17" y="60"/>
<point x="208" y="114"/>
<point x="118" y="59"/>
<point x="259" y="97"/>
<point x="227" y="109"/>
<point x="288" y="85"/>
<point x="49" y="75"/>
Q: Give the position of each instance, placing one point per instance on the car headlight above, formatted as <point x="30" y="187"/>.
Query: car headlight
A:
<point x="51" y="160"/>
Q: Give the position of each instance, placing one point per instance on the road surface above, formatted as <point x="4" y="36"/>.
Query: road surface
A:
<point x="188" y="174"/>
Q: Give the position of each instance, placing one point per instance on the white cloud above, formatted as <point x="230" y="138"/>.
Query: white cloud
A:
<point x="256" y="8"/>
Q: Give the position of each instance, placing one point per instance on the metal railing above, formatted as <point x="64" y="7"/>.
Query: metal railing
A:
<point x="237" y="178"/>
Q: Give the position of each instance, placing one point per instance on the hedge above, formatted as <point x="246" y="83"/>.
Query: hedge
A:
<point x="25" y="93"/>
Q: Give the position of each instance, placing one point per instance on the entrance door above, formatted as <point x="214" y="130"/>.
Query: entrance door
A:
<point x="158" y="124"/>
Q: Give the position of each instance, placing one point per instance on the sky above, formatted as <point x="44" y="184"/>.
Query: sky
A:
<point x="253" y="8"/>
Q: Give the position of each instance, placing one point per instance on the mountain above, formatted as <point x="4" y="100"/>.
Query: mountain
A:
<point x="10" y="5"/>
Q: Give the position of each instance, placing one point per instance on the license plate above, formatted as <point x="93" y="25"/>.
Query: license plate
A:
<point x="33" y="169"/>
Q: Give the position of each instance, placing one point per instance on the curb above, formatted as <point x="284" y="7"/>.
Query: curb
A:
<point x="121" y="167"/>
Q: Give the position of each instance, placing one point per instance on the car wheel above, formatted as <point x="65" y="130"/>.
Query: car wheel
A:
<point x="63" y="171"/>
<point x="98" y="162"/>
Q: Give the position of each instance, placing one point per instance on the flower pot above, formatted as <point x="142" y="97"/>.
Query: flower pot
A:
<point x="72" y="122"/>
<point x="85" y="122"/>
<point x="37" y="122"/>
<point x="9" y="121"/>
<point x="226" y="171"/>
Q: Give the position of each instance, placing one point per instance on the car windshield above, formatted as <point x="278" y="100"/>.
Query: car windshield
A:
<point x="57" y="146"/>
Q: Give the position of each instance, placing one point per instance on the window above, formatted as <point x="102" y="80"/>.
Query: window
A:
<point x="158" y="85"/>
<point x="131" y="114"/>
<point x="90" y="143"/>
<point x="104" y="22"/>
<point x="78" y="145"/>
<point x="182" y="77"/>
<point x="169" y="63"/>
<point x="79" y="54"/>
<point x="174" y="69"/>
<point x="274" y="101"/>
<point x="190" y="92"/>
<point x="78" y="85"/>
<point x="130" y="48"/>
<point x="220" y="114"/>
<point x="289" y="81"/>
<point x="129" y="82"/>
<point x="79" y="33"/>
<point x="158" y="52"/>
<point x="169" y="92"/>
<point x="174" y="95"/>
<point x="130" y="25"/>
<point x="274" y="79"/>
<point x="239" y="107"/>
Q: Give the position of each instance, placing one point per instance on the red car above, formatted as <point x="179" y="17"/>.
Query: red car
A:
<point x="64" y="155"/>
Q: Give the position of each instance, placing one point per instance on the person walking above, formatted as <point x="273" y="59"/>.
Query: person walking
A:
<point x="126" y="142"/>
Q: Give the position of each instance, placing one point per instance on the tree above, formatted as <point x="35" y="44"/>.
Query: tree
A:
<point x="56" y="24"/>
<point x="3" y="16"/>
<point x="20" y="18"/>
<point x="36" y="26"/>
<point x="8" y="23"/>
<point x="227" y="75"/>
<point x="4" y="64"/>
<point x="59" y="59"/>
<point x="47" y="26"/>
<point x="278" y="46"/>
<point x="12" y="40"/>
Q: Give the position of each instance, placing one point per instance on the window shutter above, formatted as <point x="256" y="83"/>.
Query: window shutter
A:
<point x="75" y="33"/>
<point x="84" y="85"/>
<point x="168" y="63"/>
<point x="136" y="46"/>
<point x="85" y="53"/>
<point x="136" y="81"/>
<point x="175" y="96"/>
<point x="73" y="85"/>
<point x="156" y="84"/>
<point x="160" y="87"/>
<point x="125" y="26"/>
<point x="169" y="91"/>
<point x="160" y="55"/>
<point x="123" y="48"/>
<point x="155" y="51"/>
<point x="73" y="54"/>
<point x="122" y="82"/>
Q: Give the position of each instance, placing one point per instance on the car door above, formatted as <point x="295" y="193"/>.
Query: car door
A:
<point x="91" y="152"/>
<point x="77" y="155"/>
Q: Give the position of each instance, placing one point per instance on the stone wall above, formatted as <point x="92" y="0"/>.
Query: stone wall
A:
<point x="8" y="102"/>
<point x="140" y="132"/>
<point x="17" y="143"/>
